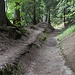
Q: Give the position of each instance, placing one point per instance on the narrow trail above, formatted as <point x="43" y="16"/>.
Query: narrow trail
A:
<point x="47" y="60"/>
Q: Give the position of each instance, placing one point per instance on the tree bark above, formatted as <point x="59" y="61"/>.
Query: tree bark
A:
<point x="17" y="15"/>
<point x="48" y="20"/>
<point x="2" y="13"/>
<point x="34" y="13"/>
<point x="48" y="17"/>
<point x="39" y="12"/>
<point x="65" y="19"/>
<point x="3" y="19"/>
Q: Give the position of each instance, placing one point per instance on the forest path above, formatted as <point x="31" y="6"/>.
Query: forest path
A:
<point x="47" y="60"/>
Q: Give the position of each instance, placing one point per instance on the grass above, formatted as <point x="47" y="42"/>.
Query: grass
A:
<point x="66" y="32"/>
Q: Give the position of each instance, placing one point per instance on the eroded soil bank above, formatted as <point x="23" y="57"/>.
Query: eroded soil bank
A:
<point x="12" y="49"/>
<point x="46" y="60"/>
<point x="68" y="47"/>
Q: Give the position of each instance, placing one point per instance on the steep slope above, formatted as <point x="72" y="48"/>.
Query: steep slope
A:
<point x="68" y="48"/>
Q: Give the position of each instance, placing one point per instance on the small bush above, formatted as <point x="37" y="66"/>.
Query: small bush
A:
<point x="15" y="69"/>
<point x="43" y="37"/>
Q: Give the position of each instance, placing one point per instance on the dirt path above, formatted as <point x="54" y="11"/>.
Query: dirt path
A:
<point x="47" y="60"/>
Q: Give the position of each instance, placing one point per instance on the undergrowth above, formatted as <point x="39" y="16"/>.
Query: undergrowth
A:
<point x="43" y="37"/>
<point x="15" y="69"/>
<point x="66" y="32"/>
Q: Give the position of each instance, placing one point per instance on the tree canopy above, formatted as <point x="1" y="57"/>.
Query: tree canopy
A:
<point x="31" y="12"/>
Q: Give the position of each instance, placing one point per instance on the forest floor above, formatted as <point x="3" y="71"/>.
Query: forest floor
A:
<point x="11" y="49"/>
<point x="46" y="60"/>
<point x="68" y="46"/>
<point x="37" y="58"/>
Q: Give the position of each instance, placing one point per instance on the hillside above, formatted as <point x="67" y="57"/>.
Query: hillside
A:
<point x="68" y="47"/>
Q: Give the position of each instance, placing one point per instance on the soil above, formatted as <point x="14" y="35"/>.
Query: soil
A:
<point x="41" y="59"/>
<point x="46" y="60"/>
<point x="68" y="46"/>
<point x="11" y="49"/>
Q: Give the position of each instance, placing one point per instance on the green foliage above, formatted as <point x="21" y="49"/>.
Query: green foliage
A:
<point x="66" y="32"/>
<point x="23" y="30"/>
<point x="15" y="69"/>
<point x="67" y="7"/>
<point x="56" y="10"/>
<point x="26" y="9"/>
<point x="43" y="37"/>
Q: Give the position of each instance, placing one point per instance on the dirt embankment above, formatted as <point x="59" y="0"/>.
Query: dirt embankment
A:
<point x="68" y="46"/>
<point x="11" y="49"/>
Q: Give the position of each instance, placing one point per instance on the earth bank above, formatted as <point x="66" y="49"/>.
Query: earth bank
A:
<point x="68" y="48"/>
<point x="11" y="50"/>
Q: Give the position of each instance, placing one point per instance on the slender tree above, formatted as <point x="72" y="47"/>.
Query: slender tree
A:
<point x="48" y="7"/>
<point x="17" y="14"/>
<point x="39" y="12"/>
<point x="34" y="13"/>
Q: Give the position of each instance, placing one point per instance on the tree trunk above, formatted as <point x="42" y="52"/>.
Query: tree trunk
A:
<point x="65" y="25"/>
<point x="48" y="16"/>
<point x="2" y="13"/>
<point x="48" y="20"/>
<point x="17" y="15"/>
<point x="34" y="14"/>
<point x="39" y="12"/>
<point x="3" y="19"/>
